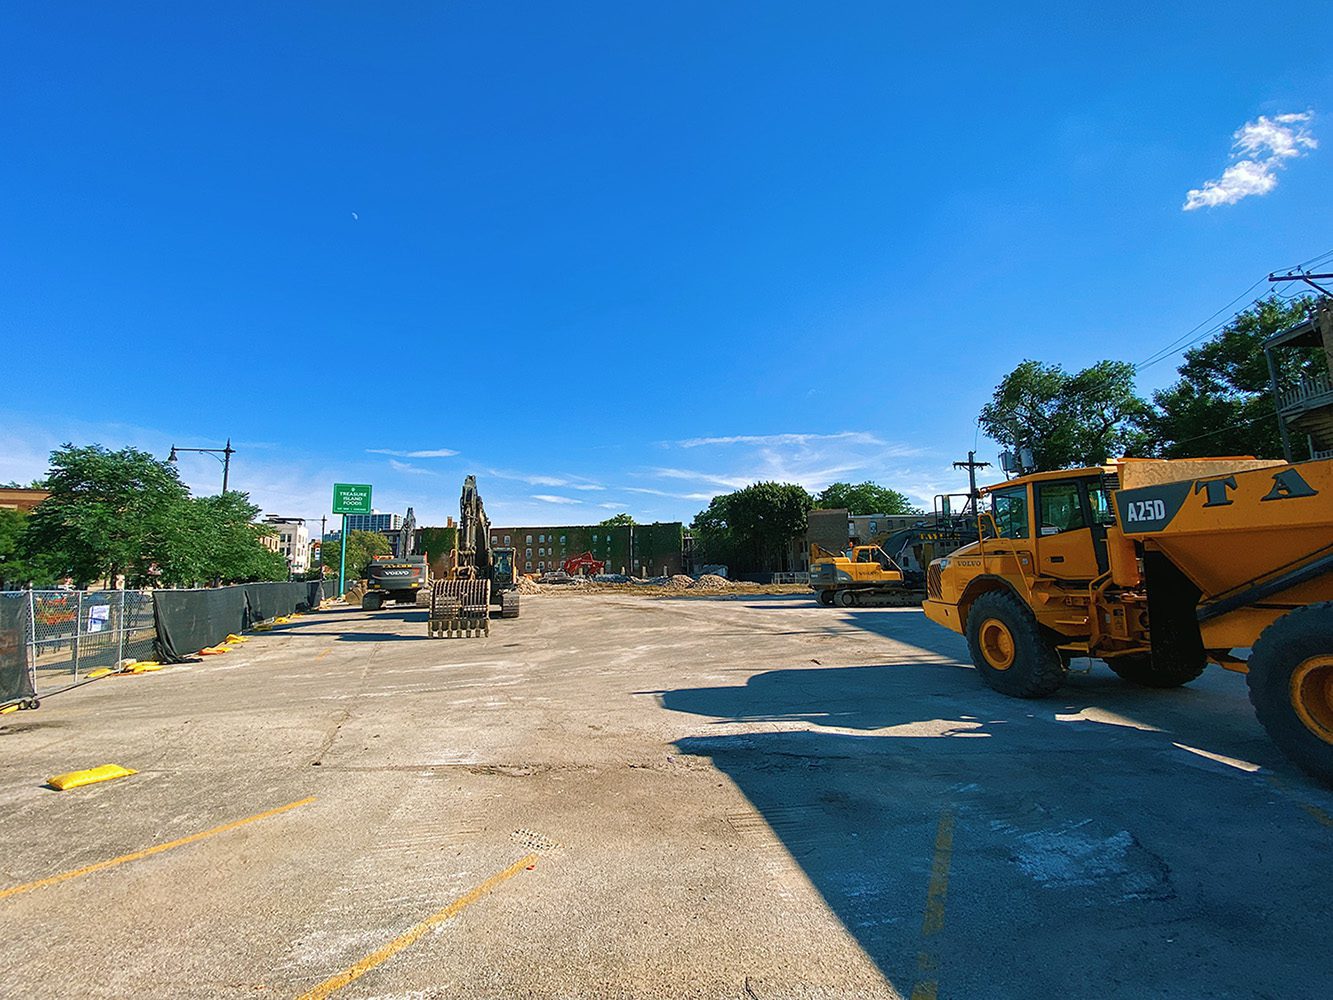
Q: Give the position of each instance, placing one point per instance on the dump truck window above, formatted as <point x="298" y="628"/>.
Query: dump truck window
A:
<point x="1011" y="513"/>
<point x="1100" y="503"/>
<point x="1060" y="508"/>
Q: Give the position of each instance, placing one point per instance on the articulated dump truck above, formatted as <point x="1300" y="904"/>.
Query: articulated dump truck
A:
<point x="1158" y="567"/>
<point x="477" y="576"/>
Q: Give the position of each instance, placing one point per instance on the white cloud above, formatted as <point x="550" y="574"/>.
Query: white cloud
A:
<point x="780" y="440"/>
<point x="1260" y="148"/>
<point x="551" y="498"/>
<point x="729" y="462"/>
<point x="611" y="506"/>
<point x="409" y="468"/>
<point x="588" y="486"/>
<point x="428" y="453"/>
<point x="664" y="493"/>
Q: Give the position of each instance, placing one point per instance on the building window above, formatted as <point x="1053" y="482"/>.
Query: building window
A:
<point x="495" y="539"/>
<point x="528" y="554"/>
<point x="594" y="537"/>
<point x="529" y="539"/>
<point x="562" y="539"/>
<point x="541" y="567"/>
<point x="507" y="542"/>
<point x="541" y="538"/>
<point x="528" y="564"/>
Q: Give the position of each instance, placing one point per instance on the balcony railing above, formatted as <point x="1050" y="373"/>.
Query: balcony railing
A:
<point x="1307" y="394"/>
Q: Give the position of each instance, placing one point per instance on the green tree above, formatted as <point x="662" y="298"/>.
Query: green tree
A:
<point x="1077" y="419"/>
<point x="109" y="512"/>
<point x="1222" y="404"/>
<point x="865" y="498"/>
<point x="362" y="546"/>
<point x="750" y="529"/>
<point x="215" y="539"/>
<point x="618" y="521"/>
<point x="16" y="566"/>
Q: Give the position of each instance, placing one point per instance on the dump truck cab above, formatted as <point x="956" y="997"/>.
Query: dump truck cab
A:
<point x="1157" y="567"/>
<point x="1049" y="532"/>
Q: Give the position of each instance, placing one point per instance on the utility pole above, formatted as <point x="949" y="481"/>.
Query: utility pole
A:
<point x="972" y="465"/>
<point x="1304" y="276"/>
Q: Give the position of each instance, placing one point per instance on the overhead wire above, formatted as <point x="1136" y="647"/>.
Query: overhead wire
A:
<point x="1193" y="336"/>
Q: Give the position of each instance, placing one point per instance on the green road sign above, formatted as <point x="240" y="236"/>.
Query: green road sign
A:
<point x="351" y="498"/>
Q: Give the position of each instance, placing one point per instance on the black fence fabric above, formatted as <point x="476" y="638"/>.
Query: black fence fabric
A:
<point x="314" y="593"/>
<point x="15" y="677"/>
<point x="269" y="600"/>
<point x="331" y="588"/>
<point x="190" y="620"/>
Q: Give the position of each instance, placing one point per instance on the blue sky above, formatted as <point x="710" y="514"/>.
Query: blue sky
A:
<point x="617" y="256"/>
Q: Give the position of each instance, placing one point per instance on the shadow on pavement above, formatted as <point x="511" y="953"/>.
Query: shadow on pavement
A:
<point x="1091" y="854"/>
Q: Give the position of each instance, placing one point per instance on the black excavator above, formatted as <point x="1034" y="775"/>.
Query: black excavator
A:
<point x="396" y="578"/>
<point x="477" y="577"/>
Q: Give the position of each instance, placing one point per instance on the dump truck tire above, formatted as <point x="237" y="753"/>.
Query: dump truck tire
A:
<point x="1009" y="649"/>
<point x="1291" y="686"/>
<point x="1138" y="668"/>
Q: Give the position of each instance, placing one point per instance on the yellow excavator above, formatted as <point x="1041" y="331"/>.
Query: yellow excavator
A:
<point x="850" y="578"/>
<point x="1158" y="567"/>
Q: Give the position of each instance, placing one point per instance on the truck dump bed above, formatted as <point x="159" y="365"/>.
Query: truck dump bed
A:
<point x="1236" y="524"/>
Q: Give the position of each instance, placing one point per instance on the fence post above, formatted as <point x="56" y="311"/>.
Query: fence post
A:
<point x="32" y="637"/>
<point x="78" y="632"/>
<point x="120" y="630"/>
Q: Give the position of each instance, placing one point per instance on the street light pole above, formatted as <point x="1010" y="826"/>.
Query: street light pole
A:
<point x="226" y="454"/>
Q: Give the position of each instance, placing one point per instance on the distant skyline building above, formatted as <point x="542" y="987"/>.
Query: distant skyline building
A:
<point x="375" y="521"/>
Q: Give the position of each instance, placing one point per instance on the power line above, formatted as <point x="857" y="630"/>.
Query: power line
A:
<point x="1190" y="338"/>
<point x="1226" y="427"/>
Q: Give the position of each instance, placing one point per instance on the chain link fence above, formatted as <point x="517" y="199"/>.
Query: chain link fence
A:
<point x="69" y="633"/>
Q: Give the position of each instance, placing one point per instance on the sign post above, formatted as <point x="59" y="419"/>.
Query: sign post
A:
<point x="348" y="498"/>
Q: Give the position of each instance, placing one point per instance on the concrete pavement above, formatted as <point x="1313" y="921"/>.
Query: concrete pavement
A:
<point x="724" y="797"/>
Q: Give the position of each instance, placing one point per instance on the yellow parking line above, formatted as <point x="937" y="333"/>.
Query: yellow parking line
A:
<point x="149" y="851"/>
<point x="353" y="972"/>
<point x="932" y="920"/>
<point x="325" y="653"/>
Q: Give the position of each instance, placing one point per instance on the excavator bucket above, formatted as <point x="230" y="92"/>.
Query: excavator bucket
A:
<point x="459" y="609"/>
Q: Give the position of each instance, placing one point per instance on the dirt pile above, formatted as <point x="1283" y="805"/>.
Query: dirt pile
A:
<point x="526" y="585"/>
<point x="710" y="582"/>
<point x="679" y="582"/>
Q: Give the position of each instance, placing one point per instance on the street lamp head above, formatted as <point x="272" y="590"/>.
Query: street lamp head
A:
<point x="172" y="457"/>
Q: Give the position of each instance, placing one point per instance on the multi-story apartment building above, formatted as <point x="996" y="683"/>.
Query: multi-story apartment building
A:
<point x="293" y="541"/>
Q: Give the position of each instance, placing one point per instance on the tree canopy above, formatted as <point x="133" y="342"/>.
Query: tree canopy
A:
<point x="1222" y="403"/>
<point x="362" y="546"/>
<point x="865" y="498"/>
<point x="113" y="513"/>
<point x="617" y="521"/>
<point x="749" y="529"/>
<point x="1067" y="419"/>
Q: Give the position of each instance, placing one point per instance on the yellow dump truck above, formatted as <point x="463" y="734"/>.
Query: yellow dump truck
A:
<point x="1158" y="567"/>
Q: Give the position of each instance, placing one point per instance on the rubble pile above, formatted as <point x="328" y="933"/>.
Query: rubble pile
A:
<point x="711" y="582"/>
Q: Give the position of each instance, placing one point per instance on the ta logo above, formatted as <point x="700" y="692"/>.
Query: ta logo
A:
<point x="1288" y="485"/>
<point x="1216" y="489"/>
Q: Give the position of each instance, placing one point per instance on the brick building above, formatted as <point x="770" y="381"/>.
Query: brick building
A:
<point x="638" y="550"/>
